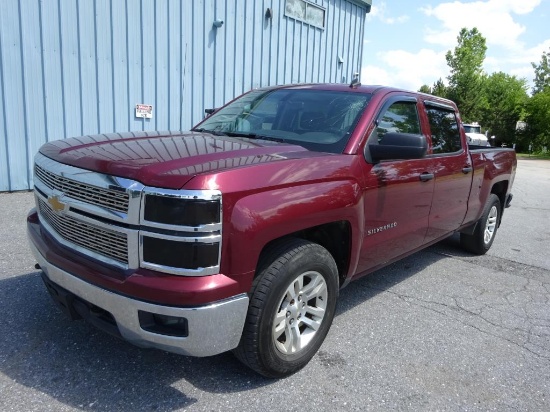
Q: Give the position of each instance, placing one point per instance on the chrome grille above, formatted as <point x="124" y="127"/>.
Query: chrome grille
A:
<point x="110" y="199"/>
<point x="108" y="243"/>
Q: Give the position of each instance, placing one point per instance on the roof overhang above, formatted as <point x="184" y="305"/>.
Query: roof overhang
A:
<point x="363" y="3"/>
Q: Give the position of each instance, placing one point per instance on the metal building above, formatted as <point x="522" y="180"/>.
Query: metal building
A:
<point x="77" y="67"/>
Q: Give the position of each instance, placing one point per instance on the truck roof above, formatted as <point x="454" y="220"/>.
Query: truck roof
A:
<point x="367" y="89"/>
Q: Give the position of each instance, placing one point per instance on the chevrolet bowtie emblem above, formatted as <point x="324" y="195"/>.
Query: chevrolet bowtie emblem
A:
<point x="56" y="204"/>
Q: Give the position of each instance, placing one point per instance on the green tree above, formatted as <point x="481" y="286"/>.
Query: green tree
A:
<point x="466" y="77"/>
<point x="542" y="73"/>
<point x="439" y="89"/>
<point x="538" y="120"/>
<point x="506" y="98"/>
<point x="537" y="132"/>
<point x="425" y="89"/>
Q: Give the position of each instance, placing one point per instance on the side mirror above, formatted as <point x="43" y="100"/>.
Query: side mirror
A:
<point x="208" y="112"/>
<point x="394" y="146"/>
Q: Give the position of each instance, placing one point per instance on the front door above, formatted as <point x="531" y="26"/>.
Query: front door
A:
<point x="397" y="193"/>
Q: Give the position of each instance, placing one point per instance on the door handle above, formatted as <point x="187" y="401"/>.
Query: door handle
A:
<point x="426" y="176"/>
<point x="467" y="169"/>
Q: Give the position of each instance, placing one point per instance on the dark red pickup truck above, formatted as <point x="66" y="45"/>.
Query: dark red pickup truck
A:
<point x="239" y="234"/>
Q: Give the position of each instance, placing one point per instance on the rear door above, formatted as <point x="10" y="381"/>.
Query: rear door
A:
<point x="452" y="168"/>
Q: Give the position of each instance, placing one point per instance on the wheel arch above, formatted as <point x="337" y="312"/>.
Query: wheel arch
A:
<point x="335" y="237"/>
<point x="500" y="189"/>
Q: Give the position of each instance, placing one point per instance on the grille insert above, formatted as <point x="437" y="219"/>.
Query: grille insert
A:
<point x="110" y="199"/>
<point x="107" y="243"/>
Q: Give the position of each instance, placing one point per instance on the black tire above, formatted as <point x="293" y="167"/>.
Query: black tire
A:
<point x="486" y="229"/>
<point x="271" y="352"/>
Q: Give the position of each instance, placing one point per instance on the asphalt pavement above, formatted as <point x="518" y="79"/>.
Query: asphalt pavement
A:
<point x="439" y="330"/>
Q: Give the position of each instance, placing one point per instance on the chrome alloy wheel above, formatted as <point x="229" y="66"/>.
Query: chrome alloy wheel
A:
<point x="301" y="312"/>
<point x="491" y="224"/>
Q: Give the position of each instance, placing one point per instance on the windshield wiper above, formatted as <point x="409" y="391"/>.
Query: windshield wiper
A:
<point x="256" y="136"/>
<point x="239" y="134"/>
<point x="214" y="132"/>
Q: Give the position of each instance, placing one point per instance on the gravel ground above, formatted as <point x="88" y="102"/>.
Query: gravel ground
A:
<point x="440" y="330"/>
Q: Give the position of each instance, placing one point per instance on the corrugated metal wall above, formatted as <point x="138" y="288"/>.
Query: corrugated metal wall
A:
<point x="74" y="67"/>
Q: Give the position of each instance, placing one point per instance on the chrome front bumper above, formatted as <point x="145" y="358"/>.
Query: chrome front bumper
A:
<point x="212" y="329"/>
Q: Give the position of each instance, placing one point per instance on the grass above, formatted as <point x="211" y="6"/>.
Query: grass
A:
<point x="539" y="156"/>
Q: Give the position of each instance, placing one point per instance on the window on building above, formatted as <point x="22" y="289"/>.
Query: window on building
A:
<point x="444" y="130"/>
<point x="307" y="12"/>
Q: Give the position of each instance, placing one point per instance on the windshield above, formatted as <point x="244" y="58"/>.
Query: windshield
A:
<point x="468" y="128"/>
<point x="319" y="120"/>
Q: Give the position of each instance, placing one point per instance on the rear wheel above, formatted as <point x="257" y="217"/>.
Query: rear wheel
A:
<point x="486" y="229"/>
<point x="291" y="308"/>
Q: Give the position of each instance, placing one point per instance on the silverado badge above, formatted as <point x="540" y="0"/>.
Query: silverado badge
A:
<point x="56" y="204"/>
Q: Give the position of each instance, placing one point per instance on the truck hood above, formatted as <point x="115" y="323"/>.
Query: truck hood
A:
<point x="166" y="159"/>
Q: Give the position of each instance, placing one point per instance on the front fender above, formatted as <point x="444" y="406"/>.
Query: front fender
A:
<point x="259" y="218"/>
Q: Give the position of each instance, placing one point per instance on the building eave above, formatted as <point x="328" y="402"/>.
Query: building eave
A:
<point x="363" y="3"/>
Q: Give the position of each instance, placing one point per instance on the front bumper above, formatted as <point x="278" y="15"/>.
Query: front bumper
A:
<point x="213" y="328"/>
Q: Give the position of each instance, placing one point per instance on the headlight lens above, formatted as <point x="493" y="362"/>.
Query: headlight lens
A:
<point x="180" y="231"/>
<point x="178" y="254"/>
<point x="181" y="212"/>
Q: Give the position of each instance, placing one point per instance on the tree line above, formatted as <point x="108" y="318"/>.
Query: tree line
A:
<point x="499" y="102"/>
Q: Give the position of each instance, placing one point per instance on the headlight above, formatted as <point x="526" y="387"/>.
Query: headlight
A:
<point x="182" y="208"/>
<point x="180" y="231"/>
<point x="181" y="212"/>
<point x="180" y="254"/>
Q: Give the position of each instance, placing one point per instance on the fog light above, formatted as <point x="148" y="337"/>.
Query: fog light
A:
<point x="163" y="324"/>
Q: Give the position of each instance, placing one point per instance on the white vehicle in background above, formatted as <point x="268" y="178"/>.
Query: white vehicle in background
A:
<point x="475" y="137"/>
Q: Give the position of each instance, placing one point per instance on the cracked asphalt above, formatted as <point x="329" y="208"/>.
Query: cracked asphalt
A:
<point x="439" y="330"/>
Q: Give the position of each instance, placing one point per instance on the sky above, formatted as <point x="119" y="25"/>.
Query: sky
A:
<point x="406" y="40"/>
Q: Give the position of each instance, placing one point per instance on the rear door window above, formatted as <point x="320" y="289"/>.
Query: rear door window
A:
<point x="444" y="129"/>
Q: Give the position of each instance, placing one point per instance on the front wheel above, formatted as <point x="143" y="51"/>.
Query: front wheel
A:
<point x="292" y="305"/>
<point x="486" y="229"/>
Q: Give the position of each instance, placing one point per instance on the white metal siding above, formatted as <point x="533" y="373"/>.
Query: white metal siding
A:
<point x="70" y="67"/>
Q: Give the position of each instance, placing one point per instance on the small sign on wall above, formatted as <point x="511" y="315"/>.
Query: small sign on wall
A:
<point x="145" y="111"/>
